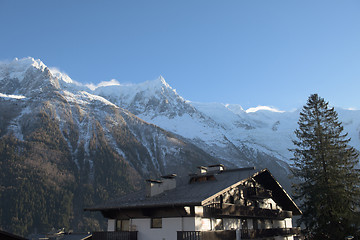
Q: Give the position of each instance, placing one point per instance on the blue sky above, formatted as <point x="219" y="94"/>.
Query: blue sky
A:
<point x="252" y="52"/>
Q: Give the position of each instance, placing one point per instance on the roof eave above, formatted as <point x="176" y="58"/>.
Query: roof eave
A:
<point x="144" y="206"/>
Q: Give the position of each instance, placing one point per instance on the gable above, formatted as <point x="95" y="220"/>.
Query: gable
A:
<point x="261" y="185"/>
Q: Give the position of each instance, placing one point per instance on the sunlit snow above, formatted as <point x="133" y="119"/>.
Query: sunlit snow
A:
<point x="18" y="67"/>
<point x="12" y="96"/>
<point x="263" y="108"/>
<point x="112" y="82"/>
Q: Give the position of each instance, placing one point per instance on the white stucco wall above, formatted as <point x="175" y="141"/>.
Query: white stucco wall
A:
<point x="170" y="226"/>
<point x="188" y="224"/>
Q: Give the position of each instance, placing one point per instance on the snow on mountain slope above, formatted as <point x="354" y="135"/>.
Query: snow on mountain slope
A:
<point x="12" y="96"/>
<point x="83" y="117"/>
<point x="18" y="67"/>
<point x="221" y="129"/>
<point x="151" y="98"/>
<point x="226" y="131"/>
<point x="213" y="127"/>
<point x="26" y="77"/>
<point x="262" y="130"/>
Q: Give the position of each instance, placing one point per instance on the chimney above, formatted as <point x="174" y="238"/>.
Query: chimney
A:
<point x="202" y="169"/>
<point x="155" y="187"/>
<point x="169" y="182"/>
<point x="217" y="167"/>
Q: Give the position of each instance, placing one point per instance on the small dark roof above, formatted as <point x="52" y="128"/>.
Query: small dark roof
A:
<point x="153" y="181"/>
<point x="9" y="236"/>
<point x="76" y="236"/>
<point x="61" y="236"/>
<point x="194" y="194"/>
<point x="217" y="165"/>
<point x="202" y="167"/>
<point x="170" y="176"/>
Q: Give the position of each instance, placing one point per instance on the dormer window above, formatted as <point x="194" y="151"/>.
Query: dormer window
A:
<point x="203" y="178"/>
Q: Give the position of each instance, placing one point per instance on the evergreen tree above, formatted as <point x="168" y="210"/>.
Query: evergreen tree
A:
<point x="325" y="165"/>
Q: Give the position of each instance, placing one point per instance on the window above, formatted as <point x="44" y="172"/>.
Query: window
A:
<point x="244" y="224"/>
<point x="156" y="223"/>
<point x="255" y="224"/>
<point x="122" y="225"/>
<point x="219" y="224"/>
<point x="263" y="224"/>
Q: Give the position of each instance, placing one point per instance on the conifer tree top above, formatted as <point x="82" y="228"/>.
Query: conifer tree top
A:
<point x="325" y="164"/>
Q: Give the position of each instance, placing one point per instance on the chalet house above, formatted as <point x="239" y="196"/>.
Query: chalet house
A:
<point x="214" y="203"/>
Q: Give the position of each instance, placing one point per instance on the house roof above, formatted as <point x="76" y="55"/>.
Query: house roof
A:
<point x="9" y="236"/>
<point x="61" y="236"/>
<point x="199" y="193"/>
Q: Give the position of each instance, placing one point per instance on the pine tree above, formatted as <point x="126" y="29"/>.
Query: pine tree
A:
<point x="324" y="163"/>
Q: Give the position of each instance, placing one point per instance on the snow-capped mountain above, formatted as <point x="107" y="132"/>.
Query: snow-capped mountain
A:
<point x="153" y="98"/>
<point x="224" y="130"/>
<point x="76" y="145"/>
<point x="106" y="139"/>
<point x="37" y="88"/>
<point x="227" y="132"/>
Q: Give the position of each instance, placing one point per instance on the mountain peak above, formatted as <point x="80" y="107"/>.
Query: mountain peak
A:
<point x="235" y="108"/>
<point x="160" y="82"/>
<point x="17" y="67"/>
<point x="154" y="86"/>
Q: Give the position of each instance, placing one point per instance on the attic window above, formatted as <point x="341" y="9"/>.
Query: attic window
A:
<point x="156" y="223"/>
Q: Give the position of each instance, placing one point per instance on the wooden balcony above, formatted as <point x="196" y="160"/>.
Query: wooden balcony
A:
<point x="235" y="210"/>
<point x="206" y="235"/>
<point x="231" y="234"/>
<point x="267" y="233"/>
<point x="115" y="235"/>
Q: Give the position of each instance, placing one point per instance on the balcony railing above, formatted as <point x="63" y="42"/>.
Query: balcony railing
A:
<point x="265" y="233"/>
<point x="227" y="209"/>
<point x="115" y="235"/>
<point x="206" y="235"/>
<point x="231" y="234"/>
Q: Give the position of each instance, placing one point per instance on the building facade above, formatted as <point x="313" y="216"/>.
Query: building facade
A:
<point x="213" y="203"/>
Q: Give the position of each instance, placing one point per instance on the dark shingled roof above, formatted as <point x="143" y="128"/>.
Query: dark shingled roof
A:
<point x="9" y="236"/>
<point x="194" y="194"/>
